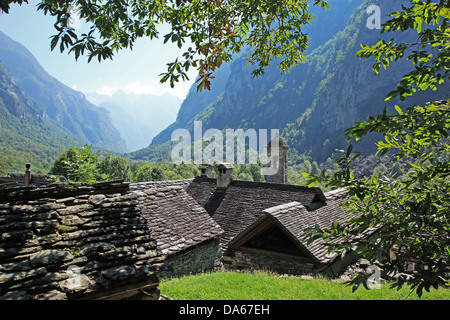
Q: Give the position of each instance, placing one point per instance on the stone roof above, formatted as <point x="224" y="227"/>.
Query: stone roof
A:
<point x="177" y="221"/>
<point x="18" y="179"/>
<point x="225" y="165"/>
<point x="69" y="241"/>
<point x="243" y="202"/>
<point x="202" y="189"/>
<point x="295" y="218"/>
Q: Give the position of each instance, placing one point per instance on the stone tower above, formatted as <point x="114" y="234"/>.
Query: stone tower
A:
<point x="279" y="159"/>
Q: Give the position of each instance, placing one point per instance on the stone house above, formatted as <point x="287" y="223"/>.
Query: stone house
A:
<point x="185" y="232"/>
<point x="256" y="212"/>
<point x="122" y="237"/>
<point x="275" y="241"/>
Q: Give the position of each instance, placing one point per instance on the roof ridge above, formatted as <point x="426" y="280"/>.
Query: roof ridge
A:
<point x="160" y="182"/>
<point x="272" y="184"/>
<point x="283" y="207"/>
<point x="332" y="194"/>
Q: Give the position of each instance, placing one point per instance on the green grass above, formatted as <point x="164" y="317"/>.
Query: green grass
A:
<point x="266" y="286"/>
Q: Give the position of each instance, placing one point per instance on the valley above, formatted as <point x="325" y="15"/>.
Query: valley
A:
<point x="311" y="106"/>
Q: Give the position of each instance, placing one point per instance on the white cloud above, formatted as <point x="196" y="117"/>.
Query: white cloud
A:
<point x="139" y="88"/>
<point x="107" y="90"/>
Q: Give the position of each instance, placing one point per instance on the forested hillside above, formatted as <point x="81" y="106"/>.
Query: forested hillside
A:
<point x="314" y="103"/>
<point x="25" y="134"/>
<point x="67" y="108"/>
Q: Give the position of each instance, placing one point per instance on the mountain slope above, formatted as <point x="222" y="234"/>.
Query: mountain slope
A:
<point x="348" y="90"/>
<point x="314" y="103"/>
<point x="69" y="109"/>
<point x="25" y="135"/>
<point x="195" y="103"/>
<point x="235" y="91"/>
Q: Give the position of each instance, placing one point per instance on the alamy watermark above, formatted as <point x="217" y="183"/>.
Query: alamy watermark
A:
<point x="74" y="276"/>
<point x="250" y="146"/>
<point x="374" y="20"/>
<point x="374" y="281"/>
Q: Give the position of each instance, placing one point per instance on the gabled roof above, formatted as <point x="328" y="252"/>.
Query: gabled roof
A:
<point x="294" y="219"/>
<point x="177" y="221"/>
<point x="243" y="202"/>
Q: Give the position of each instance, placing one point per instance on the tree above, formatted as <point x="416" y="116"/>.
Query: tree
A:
<point x="149" y="172"/>
<point x="114" y="167"/>
<point x="411" y="216"/>
<point x="78" y="165"/>
<point x="397" y="171"/>
<point x="216" y="30"/>
<point x="380" y="171"/>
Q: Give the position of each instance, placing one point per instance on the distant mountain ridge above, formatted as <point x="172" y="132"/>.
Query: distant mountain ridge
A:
<point x="234" y="88"/>
<point x="314" y="103"/>
<point x="138" y="117"/>
<point x="68" y="109"/>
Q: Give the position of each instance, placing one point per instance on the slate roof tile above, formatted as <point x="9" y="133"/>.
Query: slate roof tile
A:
<point x="175" y="218"/>
<point x="243" y="202"/>
<point x="41" y="236"/>
<point x="295" y="218"/>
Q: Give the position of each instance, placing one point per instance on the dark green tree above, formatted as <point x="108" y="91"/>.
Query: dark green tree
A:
<point x="411" y="216"/>
<point x="3" y="165"/>
<point x="114" y="167"/>
<point x="397" y="171"/>
<point x="78" y="165"/>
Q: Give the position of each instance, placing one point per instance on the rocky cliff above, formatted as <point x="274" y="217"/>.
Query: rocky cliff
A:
<point x="66" y="108"/>
<point x="314" y="103"/>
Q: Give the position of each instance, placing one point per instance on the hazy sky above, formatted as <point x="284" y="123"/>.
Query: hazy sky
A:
<point x="133" y="71"/>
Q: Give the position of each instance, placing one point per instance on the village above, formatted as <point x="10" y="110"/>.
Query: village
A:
<point x="115" y="240"/>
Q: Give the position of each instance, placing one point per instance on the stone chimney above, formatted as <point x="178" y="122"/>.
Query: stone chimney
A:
<point x="224" y="175"/>
<point x="205" y="170"/>
<point x="27" y="174"/>
<point x="279" y="158"/>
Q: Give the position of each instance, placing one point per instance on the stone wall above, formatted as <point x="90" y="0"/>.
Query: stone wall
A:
<point x="206" y="256"/>
<point x="339" y="265"/>
<point x="249" y="260"/>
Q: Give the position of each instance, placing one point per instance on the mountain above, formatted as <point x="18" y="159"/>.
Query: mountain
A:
<point x="314" y="103"/>
<point x="138" y="117"/>
<point x="236" y="75"/>
<point x="68" y="109"/>
<point x="195" y="103"/>
<point x="26" y="135"/>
